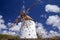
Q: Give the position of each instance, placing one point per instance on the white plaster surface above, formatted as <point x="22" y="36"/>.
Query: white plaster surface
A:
<point x="28" y="29"/>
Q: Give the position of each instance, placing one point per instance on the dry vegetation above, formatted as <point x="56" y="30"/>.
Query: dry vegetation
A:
<point x="10" y="37"/>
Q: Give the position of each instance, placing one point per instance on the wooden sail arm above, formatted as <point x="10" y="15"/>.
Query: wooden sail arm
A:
<point x="16" y="21"/>
<point x="31" y="6"/>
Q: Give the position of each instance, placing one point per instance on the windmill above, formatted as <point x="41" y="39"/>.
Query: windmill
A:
<point x="27" y="29"/>
<point x="26" y="11"/>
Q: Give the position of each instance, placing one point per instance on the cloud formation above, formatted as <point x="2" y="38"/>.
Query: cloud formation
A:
<point x="52" y="8"/>
<point x="43" y="16"/>
<point x="2" y="25"/>
<point x="54" y="20"/>
<point x="40" y="30"/>
<point x="9" y="32"/>
<point x="1" y="16"/>
<point x="15" y="27"/>
<point x="53" y="34"/>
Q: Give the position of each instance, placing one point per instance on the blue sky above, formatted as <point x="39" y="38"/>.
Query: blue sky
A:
<point x="45" y="12"/>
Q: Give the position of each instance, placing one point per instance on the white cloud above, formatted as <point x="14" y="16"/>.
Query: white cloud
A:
<point x="0" y="16"/>
<point x="52" y="8"/>
<point x="4" y="32"/>
<point x="45" y="34"/>
<point x="2" y="25"/>
<point x="53" y="33"/>
<point x="44" y="16"/>
<point x="54" y="21"/>
<point x="9" y="33"/>
<point x="10" y="24"/>
<point x="15" y="27"/>
<point x="1" y="19"/>
<point x="40" y="30"/>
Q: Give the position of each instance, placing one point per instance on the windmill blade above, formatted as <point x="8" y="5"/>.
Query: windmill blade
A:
<point x="16" y="21"/>
<point x="33" y="5"/>
<point x="28" y="9"/>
